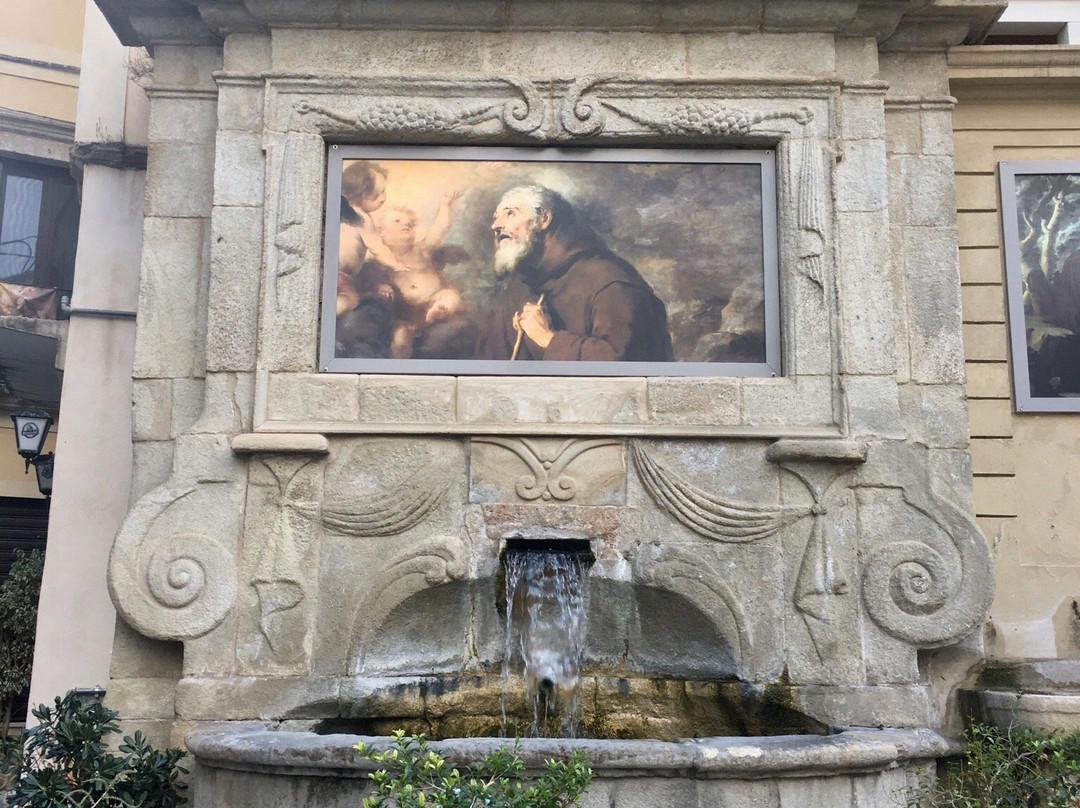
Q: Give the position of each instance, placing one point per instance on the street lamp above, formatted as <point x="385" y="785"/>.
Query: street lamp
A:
<point x="31" y="429"/>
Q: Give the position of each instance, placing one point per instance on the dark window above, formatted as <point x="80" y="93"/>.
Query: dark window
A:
<point x="39" y="224"/>
<point x="23" y="526"/>
<point x="1021" y="39"/>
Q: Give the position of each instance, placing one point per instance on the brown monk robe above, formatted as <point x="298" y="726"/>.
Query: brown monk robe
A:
<point x="596" y="304"/>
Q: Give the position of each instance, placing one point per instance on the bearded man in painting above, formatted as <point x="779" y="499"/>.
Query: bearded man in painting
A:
<point x="568" y="297"/>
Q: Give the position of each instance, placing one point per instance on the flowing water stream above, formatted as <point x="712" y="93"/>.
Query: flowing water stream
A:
<point x="545" y="631"/>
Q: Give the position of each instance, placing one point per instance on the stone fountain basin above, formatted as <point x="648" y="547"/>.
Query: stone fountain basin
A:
<point x="253" y="766"/>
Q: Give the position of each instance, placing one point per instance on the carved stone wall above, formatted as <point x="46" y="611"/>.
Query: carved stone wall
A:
<point x="315" y="538"/>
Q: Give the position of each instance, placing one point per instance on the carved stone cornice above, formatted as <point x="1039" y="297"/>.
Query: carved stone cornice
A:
<point x="1014" y="73"/>
<point x="39" y="127"/>
<point x="112" y="155"/>
<point x="175" y="21"/>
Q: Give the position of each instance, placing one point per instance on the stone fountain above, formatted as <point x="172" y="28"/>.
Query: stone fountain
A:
<point x="784" y="580"/>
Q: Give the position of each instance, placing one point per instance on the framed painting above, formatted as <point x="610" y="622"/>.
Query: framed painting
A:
<point x="518" y="261"/>
<point x="1040" y="205"/>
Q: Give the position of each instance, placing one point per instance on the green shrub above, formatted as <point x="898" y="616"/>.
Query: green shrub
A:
<point x="18" y="621"/>
<point x="1008" y="769"/>
<point x="416" y="776"/>
<point x="66" y="762"/>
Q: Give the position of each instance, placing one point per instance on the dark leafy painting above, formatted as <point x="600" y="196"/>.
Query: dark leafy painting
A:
<point x="1043" y="265"/>
<point x="516" y="261"/>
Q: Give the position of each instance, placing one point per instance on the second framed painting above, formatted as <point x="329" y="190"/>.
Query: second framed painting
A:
<point x="467" y="260"/>
<point x="1040" y="201"/>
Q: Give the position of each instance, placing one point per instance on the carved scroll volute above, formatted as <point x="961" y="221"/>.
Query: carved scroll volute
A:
<point x="921" y="594"/>
<point x="168" y="576"/>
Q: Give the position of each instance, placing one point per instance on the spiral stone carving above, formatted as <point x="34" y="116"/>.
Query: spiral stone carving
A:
<point x="920" y="595"/>
<point x="175" y="582"/>
<point x="906" y="583"/>
<point x="188" y="569"/>
<point x="580" y="113"/>
<point x="524" y="115"/>
<point x="172" y="584"/>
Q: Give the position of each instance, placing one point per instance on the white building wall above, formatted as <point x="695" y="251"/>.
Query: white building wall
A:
<point x="93" y="466"/>
<point x="1056" y="17"/>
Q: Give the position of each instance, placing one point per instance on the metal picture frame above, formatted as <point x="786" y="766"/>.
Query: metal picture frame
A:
<point x="1040" y="208"/>
<point x="698" y="227"/>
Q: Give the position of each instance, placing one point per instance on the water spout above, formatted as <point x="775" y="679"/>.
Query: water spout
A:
<point x="545" y="629"/>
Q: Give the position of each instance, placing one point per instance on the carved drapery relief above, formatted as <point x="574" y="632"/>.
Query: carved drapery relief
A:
<point x="290" y="218"/>
<point x="430" y="562"/>
<point x="287" y="531"/>
<point x="811" y="212"/>
<point x="546" y="468"/>
<point x="913" y="589"/>
<point x="705" y="513"/>
<point x="822" y="582"/>
<point x="294" y="237"/>
<point x="388" y="513"/>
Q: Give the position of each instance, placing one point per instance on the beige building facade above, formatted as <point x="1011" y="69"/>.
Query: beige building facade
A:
<point x="66" y="83"/>
<point x="1015" y="103"/>
<point x="40" y="57"/>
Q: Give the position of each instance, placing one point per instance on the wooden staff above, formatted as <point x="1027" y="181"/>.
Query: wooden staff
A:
<point x="521" y="332"/>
